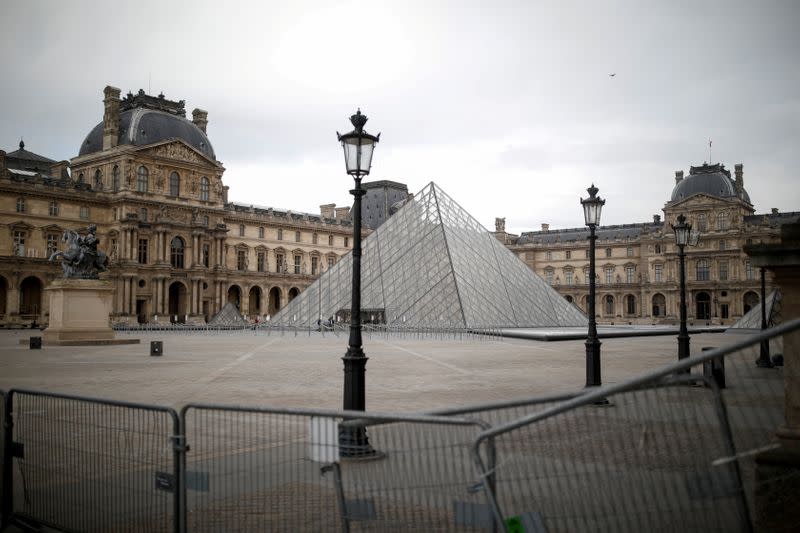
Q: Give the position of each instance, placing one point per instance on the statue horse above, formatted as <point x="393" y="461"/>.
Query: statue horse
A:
<point x="81" y="259"/>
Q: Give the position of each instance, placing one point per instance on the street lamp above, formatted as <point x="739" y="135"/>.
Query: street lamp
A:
<point x="358" y="147"/>
<point x="684" y="236"/>
<point x="592" y="208"/>
<point x="763" y="360"/>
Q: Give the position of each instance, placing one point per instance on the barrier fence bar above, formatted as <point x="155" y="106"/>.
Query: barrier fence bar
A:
<point x="664" y="455"/>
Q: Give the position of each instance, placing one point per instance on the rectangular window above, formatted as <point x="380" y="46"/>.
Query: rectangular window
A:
<point x="206" y="254"/>
<point x="748" y="270"/>
<point x="609" y="275"/>
<point x="297" y="260"/>
<point x="142" y="251"/>
<point x="330" y="240"/>
<point x="280" y="234"/>
<point x="586" y="253"/>
<point x="659" y="273"/>
<point x="722" y="244"/>
<point x="241" y="259"/>
<point x="279" y="266"/>
<point x="568" y="276"/>
<point x="261" y="232"/>
<point x="629" y="251"/>
<point x="20" y="205"/>
<point x="330" y="262"/>
<point x="84" y="212"/>
<point x="241" y="230"/>
<point x="314" y="266"/>
<point x="297" y="237"/>
<point x="608" y="252"/>
<point x="568" y="254"/>
<point x="143" y="214"/>
<point x="723" y="270"/>
<point x="548" y="255"/>
<point x="723" y="310"/>
<point x="347" y="242"/>
<point x="529" y="256"/>
<point x="52" y="244"/>
<point x="19" y="243"/>
<point x="53" y="209"/>
<point x="314" y="238"/>
<point x="261" y="262"/>
<point x="548" y="275"/>
<point x="629" y="274"/>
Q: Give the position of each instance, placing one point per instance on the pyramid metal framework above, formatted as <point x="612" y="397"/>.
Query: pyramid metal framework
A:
<point x="752" y="319"/>
<point x="432" y="264"/>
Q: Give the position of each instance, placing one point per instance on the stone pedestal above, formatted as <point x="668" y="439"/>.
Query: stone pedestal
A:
<point x="79" y="311"/>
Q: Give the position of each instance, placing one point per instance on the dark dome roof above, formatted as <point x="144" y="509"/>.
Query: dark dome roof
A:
<point x="142" y="126"/>
<point x="714" y="180"/>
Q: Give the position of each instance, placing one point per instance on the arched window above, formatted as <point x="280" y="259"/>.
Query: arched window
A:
<point x="204" y="189"/>
<point x="20" y="205"/>
<point x="702" y="223"/>
<point x="702" y="270"/>
<point x="174" y="184"/>
<point x="630" y="304"/>
<point x="722" y="221"/>
<point x="53" y="208"/>
<point x="115" y="179"/>
<point x="142" y="179"/>
<point x="609" y="305"/>
<point x="176" y="249"/>
<point x="80" y="178"/>
<point x="659" y="305"/>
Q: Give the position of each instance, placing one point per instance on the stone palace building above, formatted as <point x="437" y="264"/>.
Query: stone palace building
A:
<point x="637" y="264"/>
<point x="149" y="179"/>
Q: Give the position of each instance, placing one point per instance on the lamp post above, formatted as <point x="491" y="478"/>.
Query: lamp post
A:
<point x="358" y="147"/>
<point x="592" y="208"/>
<point x="763" y="360"/>
<point x="683" y="237"/>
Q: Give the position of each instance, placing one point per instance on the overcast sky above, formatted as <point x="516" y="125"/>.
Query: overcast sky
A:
<point x="508" y="106"/>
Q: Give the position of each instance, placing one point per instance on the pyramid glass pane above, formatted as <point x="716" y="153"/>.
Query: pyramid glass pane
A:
<point x="432" y="264"/>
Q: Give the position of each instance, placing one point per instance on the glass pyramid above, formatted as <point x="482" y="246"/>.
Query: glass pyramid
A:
<point x="432" y="264"/>
<point x="752" y="319"/>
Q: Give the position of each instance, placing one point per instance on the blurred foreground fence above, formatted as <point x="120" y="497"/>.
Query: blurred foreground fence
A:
<point x="675" y="449"/>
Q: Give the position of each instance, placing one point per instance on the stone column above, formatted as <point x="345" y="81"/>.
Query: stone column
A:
<point x="156" y="299"/>
<point x="778" y="470"/>
<point x="133" y="295"/>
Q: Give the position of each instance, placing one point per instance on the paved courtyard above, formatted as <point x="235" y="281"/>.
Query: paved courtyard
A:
<point x="403" y="374"/>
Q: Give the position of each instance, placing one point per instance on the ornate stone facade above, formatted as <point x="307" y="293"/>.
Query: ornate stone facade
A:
<point x="637" y="264"/>
<point x="178" y="249"/>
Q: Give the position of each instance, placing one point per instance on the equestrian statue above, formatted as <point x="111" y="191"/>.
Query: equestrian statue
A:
<point x="82" y="259"/>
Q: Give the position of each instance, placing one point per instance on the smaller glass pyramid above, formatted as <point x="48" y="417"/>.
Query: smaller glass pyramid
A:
<point x="432" y="264"/>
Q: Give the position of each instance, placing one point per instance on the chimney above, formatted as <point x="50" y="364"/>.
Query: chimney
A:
<point x="545" y="227"/>
<point x="328" y="210"/>
<point x="678" y="176"/>
<point x="774" y="210"/>
<point x="342" y="213"/>
<point x="200" y="119"/>
<point x="110" y="117"/>
<point x="656" y="219"/>
<point x="500" y="225"/>
<point x="225" y="189"/>
<point x="739" y="171"/>
<point x="59" y="170"/>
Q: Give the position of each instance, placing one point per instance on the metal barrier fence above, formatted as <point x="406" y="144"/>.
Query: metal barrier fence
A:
<point x="252" y="469"/>
<point x="369" y="331"/>
<point x="83" y="464"/>
<point x="671" y="451"/>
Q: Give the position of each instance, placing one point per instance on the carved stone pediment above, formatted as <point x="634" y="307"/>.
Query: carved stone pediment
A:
<point x="178" y="150"/>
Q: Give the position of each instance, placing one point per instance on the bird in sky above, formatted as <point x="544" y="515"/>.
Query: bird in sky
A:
<point x="612" y="74"/>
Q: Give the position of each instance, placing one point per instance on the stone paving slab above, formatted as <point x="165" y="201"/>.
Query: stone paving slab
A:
<point x="403" y="374"/>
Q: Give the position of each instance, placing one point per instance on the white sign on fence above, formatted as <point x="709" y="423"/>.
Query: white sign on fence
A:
<point x="324" y="440"/>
